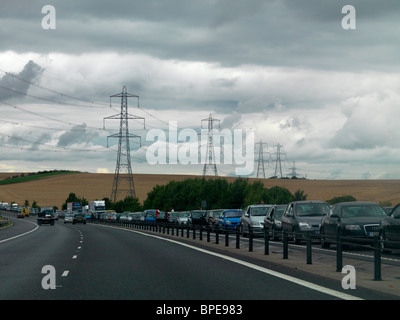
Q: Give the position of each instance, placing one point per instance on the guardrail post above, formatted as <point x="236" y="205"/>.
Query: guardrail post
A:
<point x="266" y="240"/>
<point x="285" y="244"/>
<point x="237" y="237"/>
<point x="226" y="237"/>
<point x="309" y="255"/>
<point x="377" y="259"/>
<point x="208" y="234"/>
<point x="194" y="231"/>
<point x="217" y="235"/>
<point x="187" y="231"/>
<point x="201" y="233"/>
<point x="250" y="238"/>
<point x="339" y="253"/>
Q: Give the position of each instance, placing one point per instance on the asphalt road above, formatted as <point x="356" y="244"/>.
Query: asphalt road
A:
<point x="96" y="262"/>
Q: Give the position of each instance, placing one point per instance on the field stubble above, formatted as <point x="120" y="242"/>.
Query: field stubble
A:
<point x="53" y="191"/>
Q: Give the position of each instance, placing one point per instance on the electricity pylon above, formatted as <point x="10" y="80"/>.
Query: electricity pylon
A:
<point x="260" y="161"/>
<point x="278" y="161"/>
<point x="210" y="162"/>
<point x="124" y="153"/>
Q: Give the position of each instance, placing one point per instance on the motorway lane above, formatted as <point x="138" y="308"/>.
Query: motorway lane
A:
<point x="96" y="262"/>
<point x="22" y="258"/>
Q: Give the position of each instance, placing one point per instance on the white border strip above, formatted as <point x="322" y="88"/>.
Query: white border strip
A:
<point x="334" y="293"/>
<point x="22" y="234"/>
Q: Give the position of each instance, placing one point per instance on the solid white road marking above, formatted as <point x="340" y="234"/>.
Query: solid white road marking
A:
<point x="65" y="273"/>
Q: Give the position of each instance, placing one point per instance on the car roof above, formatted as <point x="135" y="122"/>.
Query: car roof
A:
<point x="352" y="203"/>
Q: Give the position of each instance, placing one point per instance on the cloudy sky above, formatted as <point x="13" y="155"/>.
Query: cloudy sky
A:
<point x="286" y="69"/>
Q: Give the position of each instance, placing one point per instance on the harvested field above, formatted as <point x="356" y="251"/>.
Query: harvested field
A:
<point x="52" y="191"/>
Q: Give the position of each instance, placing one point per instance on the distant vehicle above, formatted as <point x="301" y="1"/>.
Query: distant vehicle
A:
<point x="20" y="215"/>
<point x="79" y="218"/>
<point x="74" y="207"/>
<point x="390" y="230"/>
<point x="150" y="215"/>
<point x="273" y="220"/>
<point x="183" y="217"/>
<point x="304" y="217"/>
<point x="355" y="220"/>
<point x="254" y="218"/>
<point x="69" y="217"/>
<point x="96" y="208"/>
<point x="45" y="217"/>
<point x="25" y="211"/>
<point x="213" y="217"/>
<point x="173" y="216"/>
<point x="230" y="219"/>
<point x="197" y="218"/>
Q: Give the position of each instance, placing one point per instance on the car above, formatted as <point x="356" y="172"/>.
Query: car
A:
<point x="254" y="218"/>
<point x="150" y="215"/>
<point x="355" y="220"/>
<point x="173" y="216"/>
<point x="183" y="217"/>
<point x="69" y="217"/>
<point x="20" y="215"/>
<point x="389" y="232"/>
<point x="197" y="218"/>
<point x="79" y="218"/>
<point x="304" y="217"/>
<point x="273" y="220"/>
<point x="230" y="219"/>
<point x="212" y="217"/>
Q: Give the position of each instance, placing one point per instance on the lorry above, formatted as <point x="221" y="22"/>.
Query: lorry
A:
<point x="97" y="208"/>
<point x="45" y="216"/>
<point x="74" y="207"/>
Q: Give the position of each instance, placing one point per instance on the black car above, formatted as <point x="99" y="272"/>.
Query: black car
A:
<point x="390" y="229"/>
<point x="197" y="218"/>
<point x="273" y="220"/>
<point x="304" y="217"/>
<point x="79" y="218"/>
<point x="355" y="220"/>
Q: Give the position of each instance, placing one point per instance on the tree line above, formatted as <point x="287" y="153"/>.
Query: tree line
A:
<point x="196" y="193"/>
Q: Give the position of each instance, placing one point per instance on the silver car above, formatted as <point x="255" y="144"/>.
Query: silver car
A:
<point x="254" y="217"/>
<point x="69" y="217"/>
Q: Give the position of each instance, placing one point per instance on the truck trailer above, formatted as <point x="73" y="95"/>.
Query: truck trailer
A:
<point x="97" y="208"/>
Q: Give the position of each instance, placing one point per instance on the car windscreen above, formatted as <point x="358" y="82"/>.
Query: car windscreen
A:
<point x="184" y="214"/>
<point x="259" y="211"/>
<point x="198" y="214"/>
<point x="363" y="211"/>
<point x="233" y="214"/>
<point x="311" y="209"/>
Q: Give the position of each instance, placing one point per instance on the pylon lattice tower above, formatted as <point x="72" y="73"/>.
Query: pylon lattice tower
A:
<point x="278" y="161"/>
<point x="124" y="154"/>
<point x="210" y="153"/>
<point x="260" y="161"/>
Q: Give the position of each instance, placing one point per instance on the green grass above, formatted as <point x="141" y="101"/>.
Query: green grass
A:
<point x="35" y="176"/>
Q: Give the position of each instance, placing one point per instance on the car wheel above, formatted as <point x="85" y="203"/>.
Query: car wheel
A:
<point x="324" y="244"/>
<point x="295" y="237"/>
<point x="382" y="240"/>
<point x="242" y="233"/>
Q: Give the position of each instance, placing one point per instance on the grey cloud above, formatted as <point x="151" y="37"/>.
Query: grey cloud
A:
<point x="77" y="134"/>
<point x="15" y="85"/>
